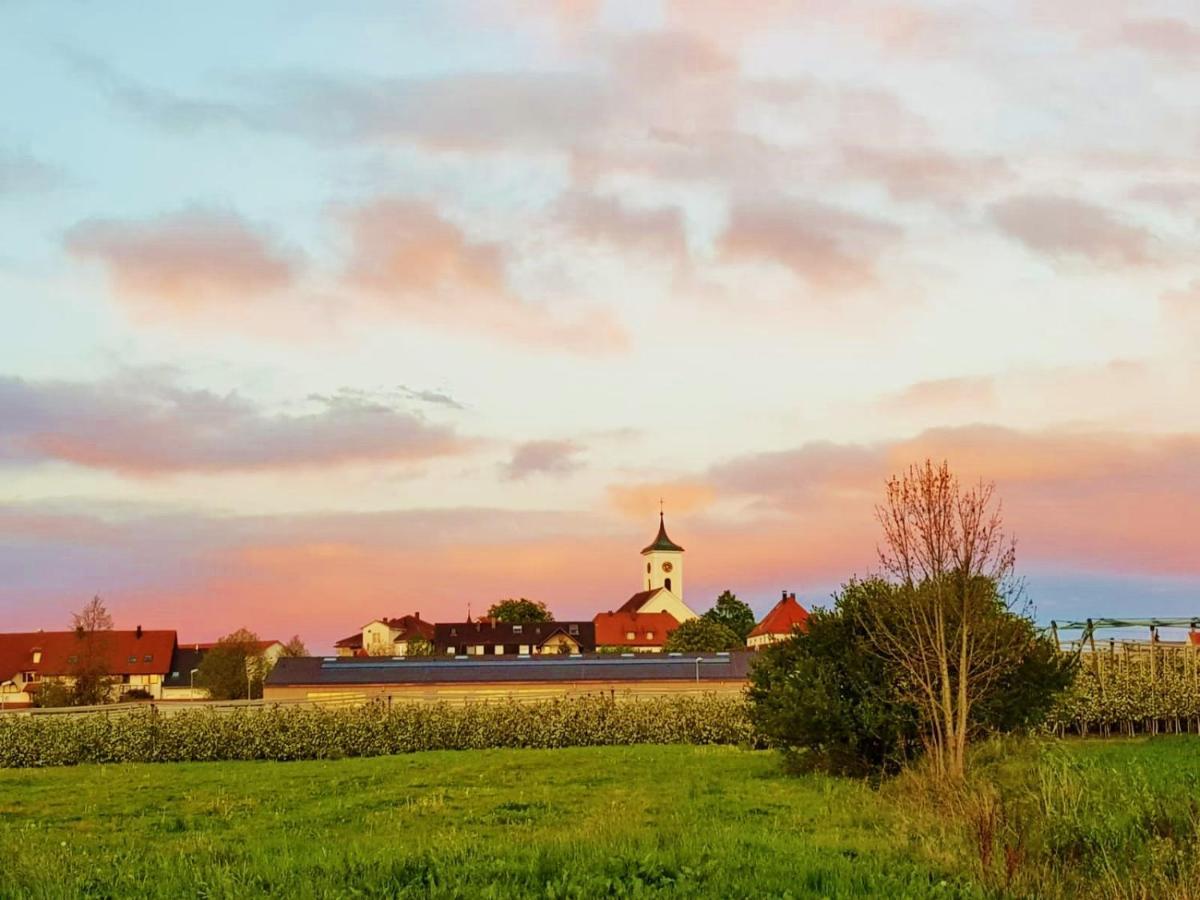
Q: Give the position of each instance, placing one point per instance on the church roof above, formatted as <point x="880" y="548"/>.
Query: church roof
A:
<point x="662" y="542"/>
<point x="637" y="601"/>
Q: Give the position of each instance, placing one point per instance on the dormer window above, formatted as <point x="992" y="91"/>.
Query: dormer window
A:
<point x="649" y="635"/>
<point x="517" y="629"/>
<point x="629" y="636"/>
<point x="37" y="656"/>
<point x="572" y="629"/>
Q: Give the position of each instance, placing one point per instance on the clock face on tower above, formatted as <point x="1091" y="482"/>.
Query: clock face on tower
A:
<point x="667" y="567"/>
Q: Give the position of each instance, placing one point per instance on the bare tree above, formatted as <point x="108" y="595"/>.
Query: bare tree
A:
<point x="947" y="630"/>
<point x="93" y="617"/>
<point x="294" y="647"/>
<point x="91" y="681"/>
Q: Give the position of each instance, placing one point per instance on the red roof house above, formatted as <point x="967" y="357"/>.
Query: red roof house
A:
<point x="780" y="623"/>
<point x="634" y="630"/>
<point x="135" y="659"/>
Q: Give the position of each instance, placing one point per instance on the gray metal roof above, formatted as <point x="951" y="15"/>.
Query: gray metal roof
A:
<point x="314" y="670"/>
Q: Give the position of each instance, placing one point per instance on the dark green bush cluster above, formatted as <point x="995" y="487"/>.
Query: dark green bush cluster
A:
<point x="288" y="732"/>
<point x="1119" y="693"/>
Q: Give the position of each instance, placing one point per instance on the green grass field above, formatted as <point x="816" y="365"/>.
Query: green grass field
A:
<point x="582" y="822"/>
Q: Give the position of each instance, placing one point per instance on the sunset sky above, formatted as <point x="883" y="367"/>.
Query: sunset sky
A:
<point x="314" y="312"/>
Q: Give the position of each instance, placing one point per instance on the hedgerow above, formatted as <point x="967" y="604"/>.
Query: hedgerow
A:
<point x="289" y="732"/>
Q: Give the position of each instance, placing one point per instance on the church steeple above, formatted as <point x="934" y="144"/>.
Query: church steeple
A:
<point x="664" y="562"/>
<point x="662" y="542"/>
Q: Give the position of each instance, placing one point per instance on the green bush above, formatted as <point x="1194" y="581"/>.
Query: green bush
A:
<point x="290" y="732"/>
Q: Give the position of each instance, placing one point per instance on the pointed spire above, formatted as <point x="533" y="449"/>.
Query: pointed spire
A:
<point x="662" y="542"/>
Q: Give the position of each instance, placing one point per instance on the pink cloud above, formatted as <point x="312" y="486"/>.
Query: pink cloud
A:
<point x="826" y="247"/>
<point x="141" y="424"/>
<point x="605" y="219"/>
<point x="416" y="263"/>
<point x="1066" y="228"/>
<point x="186" y="260"/>
<point x="1168" y="39"/>
<point x="927" y="174"/>
<point x="975" y="393"/>
<point x="545" y="457"/>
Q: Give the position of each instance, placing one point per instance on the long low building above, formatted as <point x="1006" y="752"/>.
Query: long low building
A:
<point x="489" y="678"/>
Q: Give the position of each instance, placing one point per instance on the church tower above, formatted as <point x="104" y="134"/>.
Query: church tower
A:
<point x="663" y="563"/>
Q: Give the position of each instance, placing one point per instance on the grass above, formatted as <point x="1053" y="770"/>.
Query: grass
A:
<point x="589" y="822"/>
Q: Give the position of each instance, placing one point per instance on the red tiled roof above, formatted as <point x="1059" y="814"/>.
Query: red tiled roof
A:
<point x="353" y="642"/>
<point x="58" y="648"/>
<point x="784" y="616"/>
<point x="637" y="601"/>
<point x="613" y="628"/>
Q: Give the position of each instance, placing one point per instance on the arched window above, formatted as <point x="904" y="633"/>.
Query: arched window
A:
<point x="667" y="583"/>
<point x="647" y="568"/>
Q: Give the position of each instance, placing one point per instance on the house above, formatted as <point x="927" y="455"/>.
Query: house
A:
<point x="134" y="660"/>
<point x="386" y="637"/>
<point x="443" y="679"/>
<point x="634" y="631"/>
<point x="663" y="577"/>
<point x="486" y="637"/>
<point x="180" y="682"/>
<point x="779" y="624"/>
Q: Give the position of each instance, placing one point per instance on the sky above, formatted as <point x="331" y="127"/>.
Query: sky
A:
<point x="312" y="313"/>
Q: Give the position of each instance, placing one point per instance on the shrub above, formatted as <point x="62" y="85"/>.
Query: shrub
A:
<point x="830" y="699"/>
<point x="285" y="733"/>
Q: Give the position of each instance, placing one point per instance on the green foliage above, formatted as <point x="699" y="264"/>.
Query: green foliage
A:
<point x="418" y="646"/>
<point x="831" y="700"/>
<point x="234" y="669"/>
<point x="289" y="732"/>
<point x="702" y="636"/>
<point x="53" y="694"/>
<point x="1119" y="692"/>
<point x="826" y="699"/>
<point x="733" y="614"/>
<point x="295" y="647"/>
<point x="520" y="611"/>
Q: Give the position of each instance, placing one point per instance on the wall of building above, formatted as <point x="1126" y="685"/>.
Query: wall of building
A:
<point x="462" y="693"/>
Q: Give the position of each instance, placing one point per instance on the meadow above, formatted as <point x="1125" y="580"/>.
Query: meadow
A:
<point x="1111" y="818"/>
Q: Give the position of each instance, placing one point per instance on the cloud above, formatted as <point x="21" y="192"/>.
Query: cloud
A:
<point x="1166" y="39"/>
<point x="828" y="248"/>
<point x="927" y="174"/>
<point x="140" y="424"/>
<point x="437" y="398"/>
<point x="1177" y="196"/>
<point x="185" y="261"/>
<point x="543" y="458"/>
<point x="1066" y="228"/>
<point x="974" y="393"/>
<point x="416" y="263"/>
<point x="1108" y="501"/>
<point x="605" y="219"/>
<point x="680" y="497"/>
<point x="21" y="173"/>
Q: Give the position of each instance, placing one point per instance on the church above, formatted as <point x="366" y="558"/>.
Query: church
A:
<point x="643" y="622"/>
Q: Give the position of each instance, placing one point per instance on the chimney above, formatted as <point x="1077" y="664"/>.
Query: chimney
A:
<point x="138" y="633"/>
<point x="792" y="597"/>
<point x="785" y="593"/>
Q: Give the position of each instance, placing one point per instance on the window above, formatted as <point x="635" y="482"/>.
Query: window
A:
<point x="667" y="583"/>
<point x="29" y="676"/>
<point x="72" y="659"/>
<point x="629" y="635"/>
<point x="37" y="656"/>
<point x="649" y="635"/>
<point x="572" y="629"/>
<point x="132" y="659"/>
<point x="517" y="629"/>
<point x="647" y="568"/>
<point x="499" y="650"/>
<point x="149" y="657"/>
